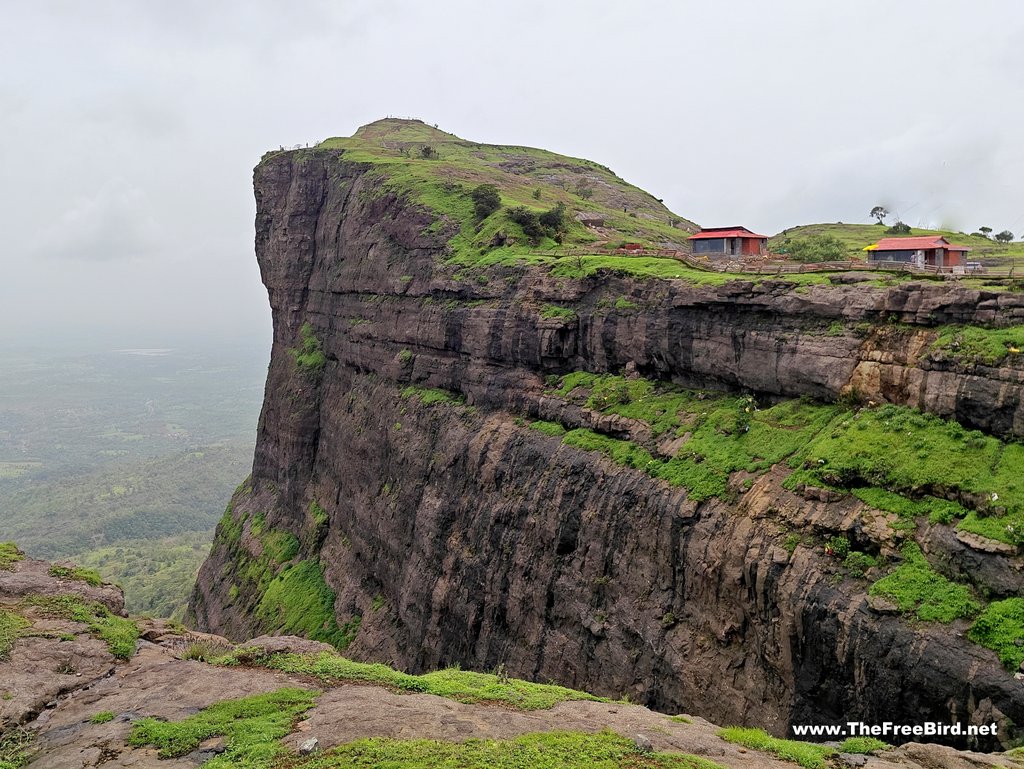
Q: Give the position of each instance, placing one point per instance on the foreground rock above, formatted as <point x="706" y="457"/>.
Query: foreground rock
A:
<point x="78" y="703"/>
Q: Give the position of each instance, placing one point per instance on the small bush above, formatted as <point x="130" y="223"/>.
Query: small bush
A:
<point x="858" y="563"/>
<point x="814" y="248"/>
<point x="486" y="200"/>
<point x="104" y="717"/>
<point x="838" y="547"/>
<point x="206" y="650"/>
<point x="15" y="747"/>
<point x="551" y="224"/>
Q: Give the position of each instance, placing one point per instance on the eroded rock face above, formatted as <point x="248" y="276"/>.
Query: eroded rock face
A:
<point x="460" y="536"/>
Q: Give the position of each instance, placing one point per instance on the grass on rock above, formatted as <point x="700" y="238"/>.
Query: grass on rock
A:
<point x="119" y="633"/>
<point x="863" y="745"/>
<point x="89" y="576"/>
<point x="428" y="396"/>
<point x="975" y="345"/>
<point x="15" y="748"/>
<point x="916" y="588"/>
<point x="806" y="754"/>
<point x="11" y="626"/>
<point x="550" y="750"/>
<point x="459" y="685"/>
<point x="9" y="555"/>
<point x="253" y="727"/>
<point x="1001" y="628"/>
<point x="298" y="601"/>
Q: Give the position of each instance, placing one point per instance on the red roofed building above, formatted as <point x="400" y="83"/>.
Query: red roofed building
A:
<point x="729" y="241"/>
<point x="927" y="251"/>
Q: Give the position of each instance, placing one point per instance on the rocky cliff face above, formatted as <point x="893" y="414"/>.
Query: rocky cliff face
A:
<point x="451" y="533"/>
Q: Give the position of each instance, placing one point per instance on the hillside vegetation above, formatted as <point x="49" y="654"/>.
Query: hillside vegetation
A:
<point x="441" y="172"/>
<point x="855" y="237"/>
<point x="122" y="462"/>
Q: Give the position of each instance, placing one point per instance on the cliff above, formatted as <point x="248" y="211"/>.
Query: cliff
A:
<point x="436" y="484"/>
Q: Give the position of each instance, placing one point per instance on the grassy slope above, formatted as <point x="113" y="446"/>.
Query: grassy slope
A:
<point x="857" y="236"/>
<point x="442" y="183"/>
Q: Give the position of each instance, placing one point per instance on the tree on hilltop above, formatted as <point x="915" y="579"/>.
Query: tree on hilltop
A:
<point x="985" y="231"/>
<point x="1005" y="236"/>
<point x="879" y="213"/>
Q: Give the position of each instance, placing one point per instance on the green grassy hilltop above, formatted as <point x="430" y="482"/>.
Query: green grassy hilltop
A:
<point x="441" y="172"/>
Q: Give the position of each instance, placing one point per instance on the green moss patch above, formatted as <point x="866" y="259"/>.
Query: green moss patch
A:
<point x="309" y="356"/>
<point x="459" y="685"/>
<point x="253" y="727"/>
<point x="863" y="745"/>
<point x="12" y="625"/>
<point x="428" y="396"/>
<point x="9" y="555"/>
<point x="15" y="748"/>
<point x="806" y="754"/>
<point x="550" y="750"/>
<point x="1001" y="628"/>
<point x="298" y="601"/>
<point x="916" y="588"/>
<point x="914" y="455"/>
<point x="119" y="633"/>
<point x="89" y="576"/>
<point x="548" y="428"/>
<point x="975" y="345"/>
<point x="103" y="717"/>
<point x="554" y="311"/>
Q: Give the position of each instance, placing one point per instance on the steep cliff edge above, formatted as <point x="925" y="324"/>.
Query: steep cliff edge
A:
<point x="432" y="486"/>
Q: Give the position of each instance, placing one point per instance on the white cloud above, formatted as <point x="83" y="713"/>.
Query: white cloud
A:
<point x="115" y="222"/>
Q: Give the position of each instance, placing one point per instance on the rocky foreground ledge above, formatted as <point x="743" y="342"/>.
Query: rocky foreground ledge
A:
<point x="81" y="685"/>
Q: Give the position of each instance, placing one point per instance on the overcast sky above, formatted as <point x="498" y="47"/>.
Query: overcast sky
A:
<point x="130" y="129"/>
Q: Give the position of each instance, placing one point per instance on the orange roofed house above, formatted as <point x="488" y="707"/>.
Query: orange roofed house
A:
<point x="728" y="241"/>
<point x="928" y="251"/>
